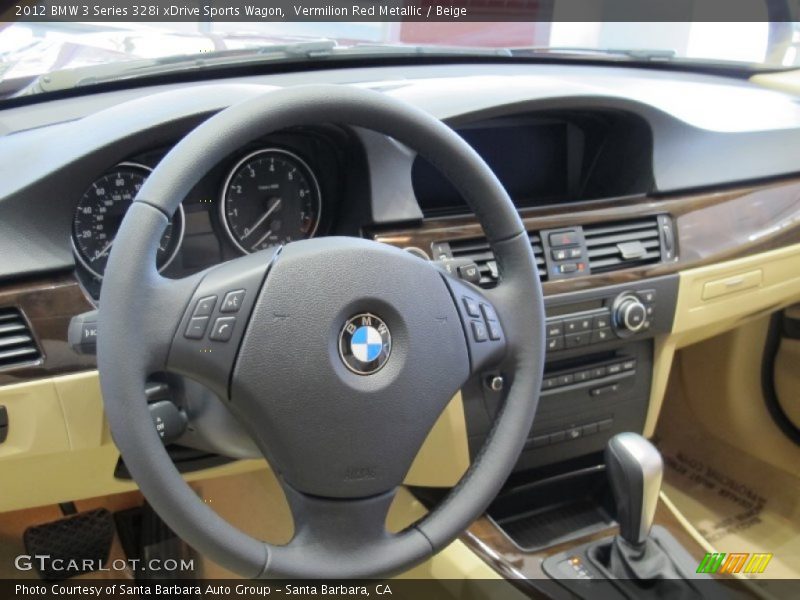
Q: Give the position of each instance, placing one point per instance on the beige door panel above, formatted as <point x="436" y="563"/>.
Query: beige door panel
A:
<point x="718" y="298"/>
<point x="722" y="384"/>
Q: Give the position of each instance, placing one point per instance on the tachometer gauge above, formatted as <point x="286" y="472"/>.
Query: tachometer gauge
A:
<point x="270" y="197"/>
<point x="99" y="215"/>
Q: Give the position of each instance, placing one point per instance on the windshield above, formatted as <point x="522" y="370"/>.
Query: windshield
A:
<point x="32" y="49"/>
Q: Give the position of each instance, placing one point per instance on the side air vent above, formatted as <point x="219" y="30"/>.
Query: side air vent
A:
<point x="621" y="245"/>
<point x="17" y="346"/>
<point x="477" y="250"/>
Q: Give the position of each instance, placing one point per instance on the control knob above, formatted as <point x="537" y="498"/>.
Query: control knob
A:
<point x="630" y="315"/>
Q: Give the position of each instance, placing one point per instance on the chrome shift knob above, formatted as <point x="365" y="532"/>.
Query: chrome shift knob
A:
<point x="634" y="469"/>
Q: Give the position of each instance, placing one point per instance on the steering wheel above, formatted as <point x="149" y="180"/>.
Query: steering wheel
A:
<point x="337" y="357"/>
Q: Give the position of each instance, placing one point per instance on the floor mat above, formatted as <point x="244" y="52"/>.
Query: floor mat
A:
<point x="737" y="502"/>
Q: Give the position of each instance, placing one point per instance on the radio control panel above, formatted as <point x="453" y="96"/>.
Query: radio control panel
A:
<point x="598" y="370"/>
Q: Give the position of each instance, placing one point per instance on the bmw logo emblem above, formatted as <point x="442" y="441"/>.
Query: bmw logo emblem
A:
<point x="365" y="344"/>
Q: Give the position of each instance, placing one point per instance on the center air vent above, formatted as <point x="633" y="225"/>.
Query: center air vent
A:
<point x="478" y="251"/>
<point x="17" y="346"/>
<point x="621" y="245"/>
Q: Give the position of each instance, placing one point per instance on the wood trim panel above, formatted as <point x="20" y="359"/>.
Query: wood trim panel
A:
<point x="711" y="227"/>
<point x="48" y="304"/>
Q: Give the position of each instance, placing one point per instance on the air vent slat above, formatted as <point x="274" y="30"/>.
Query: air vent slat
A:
<point x="12" y="327"/>
<point x="592" y="241"/>
<point x="478" y="256"/>
<point x="17" y="344"/>
<point x="619" y="227"/>
<point x="622" y="245"/>
<point x="14" y="340"/>
<point x="606" y="262"/>
<point x="608" y="250"/>
<point x="17" y="353"/>
<point x="478" y="251"/>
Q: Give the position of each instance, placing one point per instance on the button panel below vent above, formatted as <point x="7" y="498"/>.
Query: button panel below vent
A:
<point x="17" y="344"/>
<point x="576" y="251"/>
<point x="478" y="251"/>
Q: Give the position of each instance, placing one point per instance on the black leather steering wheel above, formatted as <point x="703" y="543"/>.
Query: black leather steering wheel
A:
<point x="338" y="357"/>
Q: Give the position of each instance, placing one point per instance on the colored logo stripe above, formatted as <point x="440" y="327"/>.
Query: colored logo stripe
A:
<point x="737" y="562"/>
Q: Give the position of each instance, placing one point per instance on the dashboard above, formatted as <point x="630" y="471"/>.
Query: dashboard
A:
<point x="662" y="208"/>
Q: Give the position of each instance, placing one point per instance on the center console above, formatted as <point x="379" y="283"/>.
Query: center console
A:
<point x="598" y="371"/>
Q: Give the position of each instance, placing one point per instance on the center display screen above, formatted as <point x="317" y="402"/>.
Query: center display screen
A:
<point x="530" y="160"/>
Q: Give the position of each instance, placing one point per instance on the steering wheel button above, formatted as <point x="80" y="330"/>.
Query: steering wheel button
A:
<point x="204" y="306"/>
<point x="223" y="329"/>
<point x="493" y="327"/>
<point x="488" y="312"/>
<point x="232" y="301"/>
<point x="471" y="307"/>
<point x="479" y="331"/>
<point x="196" y="328"/>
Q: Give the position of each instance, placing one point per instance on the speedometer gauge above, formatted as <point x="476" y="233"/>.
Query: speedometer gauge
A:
<point x="99" y="215"/>
<point x="270" y="197"/>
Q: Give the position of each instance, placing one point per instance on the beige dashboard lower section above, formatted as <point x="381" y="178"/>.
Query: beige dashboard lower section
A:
<point x="721" y="297"/>
<point x="59" y="446"/>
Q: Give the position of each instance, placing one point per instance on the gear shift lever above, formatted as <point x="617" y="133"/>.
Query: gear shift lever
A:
<point x="641" y="563"/>
<point x="634" y="469"/>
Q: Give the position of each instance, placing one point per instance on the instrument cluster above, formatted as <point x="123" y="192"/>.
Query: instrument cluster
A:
<point x="268" y="194"/>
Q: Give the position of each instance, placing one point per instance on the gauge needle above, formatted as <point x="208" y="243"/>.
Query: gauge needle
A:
<point x="105" y="249"/>
<point x="262" y="238"/>
<point x="276" y="204"/>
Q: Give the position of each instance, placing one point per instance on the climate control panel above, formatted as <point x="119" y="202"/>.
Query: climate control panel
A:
<point x="603" y="317"/>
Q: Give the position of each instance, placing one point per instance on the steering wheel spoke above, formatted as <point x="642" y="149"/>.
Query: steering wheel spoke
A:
<point x="336" y="536"/>
<point x="216" y="312"/>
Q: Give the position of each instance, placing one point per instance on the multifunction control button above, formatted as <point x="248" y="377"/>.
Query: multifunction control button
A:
<point x="223" y="329"/>
<point x="483" y="320"/>
<point x="479" y="331"/>
<point x="232" y="301"/>
<point x="471" y="306"/>
<point x="204" y="306"/>
<point x="196" y="328"/>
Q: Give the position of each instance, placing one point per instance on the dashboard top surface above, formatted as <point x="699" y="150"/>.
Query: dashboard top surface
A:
<point x="705" y="131"/>
<point x="710" y="102"/>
